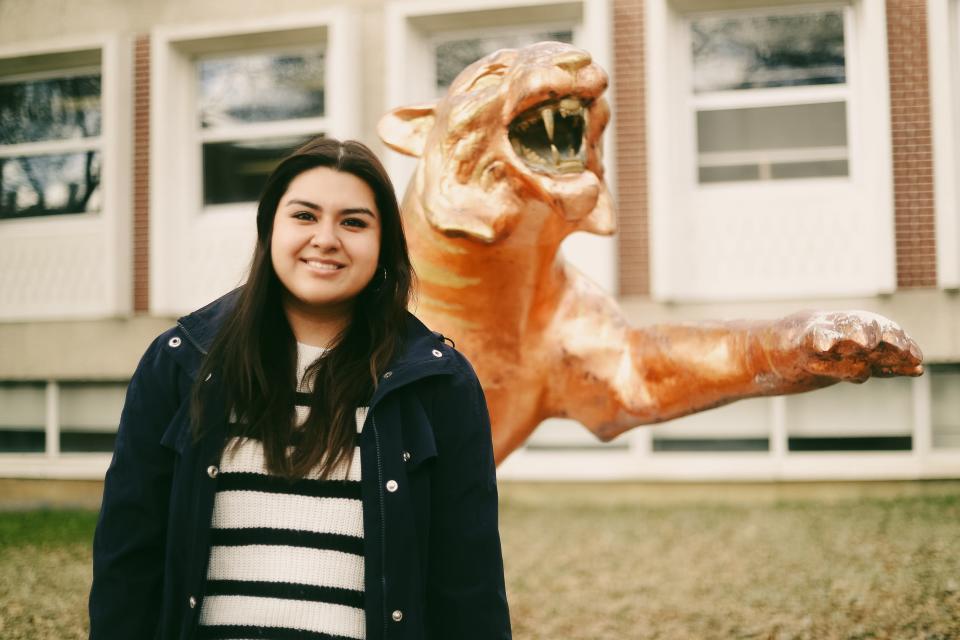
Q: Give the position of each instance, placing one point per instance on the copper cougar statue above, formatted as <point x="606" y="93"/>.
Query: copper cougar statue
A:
<point x="510" y="165"/>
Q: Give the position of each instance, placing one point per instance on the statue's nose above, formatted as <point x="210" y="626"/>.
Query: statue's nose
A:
<point x="572" y="60"/>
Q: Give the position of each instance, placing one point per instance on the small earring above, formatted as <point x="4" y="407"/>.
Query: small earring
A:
<point x="377" y="285"/>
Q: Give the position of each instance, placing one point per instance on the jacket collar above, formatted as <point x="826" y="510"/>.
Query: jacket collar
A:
<point x="417" y="359"/>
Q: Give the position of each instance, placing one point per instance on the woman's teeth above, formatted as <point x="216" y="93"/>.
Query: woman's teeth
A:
<point x="326" y="266"/>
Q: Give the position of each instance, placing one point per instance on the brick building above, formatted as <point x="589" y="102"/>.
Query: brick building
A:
<point x="767" y="156"/>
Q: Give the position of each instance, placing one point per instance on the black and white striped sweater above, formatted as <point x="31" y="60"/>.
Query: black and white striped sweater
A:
<point x="286" y="559"/>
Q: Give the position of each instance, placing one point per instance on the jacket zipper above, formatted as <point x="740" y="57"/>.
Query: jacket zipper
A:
<point x="383" y="526"/>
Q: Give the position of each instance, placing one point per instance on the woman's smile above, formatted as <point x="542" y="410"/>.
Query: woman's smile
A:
<point x="323" y="267"/>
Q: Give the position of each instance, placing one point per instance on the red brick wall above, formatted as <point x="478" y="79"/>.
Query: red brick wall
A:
<point x="631" y="146"/>
<point x="912" y="152"/>
<point x="141" y="174"/>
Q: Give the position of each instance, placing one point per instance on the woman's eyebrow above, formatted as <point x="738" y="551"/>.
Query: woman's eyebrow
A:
<point x="355" y="210"/>
<point x="303" y="203"/>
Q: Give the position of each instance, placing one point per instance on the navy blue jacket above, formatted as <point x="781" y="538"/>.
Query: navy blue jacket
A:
<point x="433" y="565"/>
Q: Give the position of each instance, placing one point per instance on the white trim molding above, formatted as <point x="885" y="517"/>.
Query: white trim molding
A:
<point x="96" y="248"/>
<point x="197" y="254"/>
<point x="943" y="38"/>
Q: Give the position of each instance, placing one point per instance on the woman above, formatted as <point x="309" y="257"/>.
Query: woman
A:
<point x="302" y="458"/>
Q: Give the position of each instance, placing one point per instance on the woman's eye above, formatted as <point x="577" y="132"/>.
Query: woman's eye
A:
<point x="304" y="215"/>
<point x="355" y="222"/>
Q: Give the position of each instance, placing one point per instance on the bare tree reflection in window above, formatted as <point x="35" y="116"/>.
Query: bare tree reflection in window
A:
<point x="55" y="109"/>
<point x="748" y="52"/>
<point x="453" y="56"/>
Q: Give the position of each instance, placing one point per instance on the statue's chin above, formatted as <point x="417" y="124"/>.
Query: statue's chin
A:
<point x="576" y="194"/>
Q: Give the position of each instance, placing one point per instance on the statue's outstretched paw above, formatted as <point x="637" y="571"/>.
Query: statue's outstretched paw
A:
<point x="854" y="346"/>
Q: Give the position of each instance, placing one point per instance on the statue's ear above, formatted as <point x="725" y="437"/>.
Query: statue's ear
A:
<point x="406" y="129"/>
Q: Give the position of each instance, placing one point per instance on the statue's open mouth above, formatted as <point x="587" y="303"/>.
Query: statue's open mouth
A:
<point x="549" y="137"/>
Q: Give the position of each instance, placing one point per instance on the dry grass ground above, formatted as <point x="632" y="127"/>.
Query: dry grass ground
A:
<point x="637" y="562"/>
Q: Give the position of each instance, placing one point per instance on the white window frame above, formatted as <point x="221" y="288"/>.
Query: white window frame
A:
<point x="110" y="228"/>
<point x="413" y="29"/>
<point x="943" y="38"/>
<point x="176" y="172"/>
<point x="672" y="149"/>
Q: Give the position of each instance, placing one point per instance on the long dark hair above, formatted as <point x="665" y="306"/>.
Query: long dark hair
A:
<point x="254" y="354"/>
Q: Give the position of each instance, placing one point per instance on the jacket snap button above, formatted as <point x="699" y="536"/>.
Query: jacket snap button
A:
<point x="397" y="615"/>
<point x="392" y="485"/>
<point x="437" y="353"/>
<point x="175" y="342"/>
<point x="212" y="471"/>
<point x="192" y="602"/>
<point x="387" y="374"/>
<point x="406" y="456"/>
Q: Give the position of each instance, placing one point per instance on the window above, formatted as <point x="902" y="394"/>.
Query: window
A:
<point x="248" y="106"/>
<point x="50" y="143"/>
<point x="769" y="94"/>
<point x="89" y="413"/>
<point x="22" y="417"/>
<point x="65" y="176"/>
<point x="230" y="100"/>
<point x="767" y="127"/>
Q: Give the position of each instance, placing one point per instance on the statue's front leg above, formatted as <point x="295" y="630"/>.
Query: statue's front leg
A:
<point x="813" y="349"/>
<point x="680" y="369"/>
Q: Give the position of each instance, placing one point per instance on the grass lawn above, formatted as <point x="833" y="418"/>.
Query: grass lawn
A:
<point x="634" y="561"/>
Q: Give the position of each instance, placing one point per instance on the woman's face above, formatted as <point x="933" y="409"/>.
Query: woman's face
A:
<point x="326" y="239"/>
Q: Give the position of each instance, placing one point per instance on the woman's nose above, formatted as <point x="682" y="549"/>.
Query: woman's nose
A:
<point x="325" y="235"/>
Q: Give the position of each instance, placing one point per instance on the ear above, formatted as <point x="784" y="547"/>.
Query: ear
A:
<point x="406" y="129"/>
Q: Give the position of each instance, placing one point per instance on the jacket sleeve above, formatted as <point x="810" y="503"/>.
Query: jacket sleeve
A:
<point x="128" y="546"/>
<point x="465" y="598"/>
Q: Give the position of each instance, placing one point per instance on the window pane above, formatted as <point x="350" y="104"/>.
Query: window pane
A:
<point x="945" y="405"/>
<point x="729" y="174"/>
<point x="874" y="416"/>
<point x="260" y="87"/>
<point x="747" y="52"/>
<point x="454" y="56"/>
<point x="22" y="417"/>
<point x="237" y="171"/>
<point x="51" y="109"/>
<point x="89" y="415"/>
<point x="797" y="141"/>
<point x="741" y="426"/>
<point x="49" y="185"/>
<point x="809" y="169"/>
